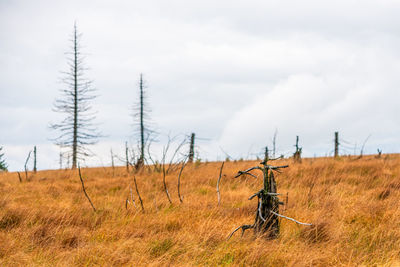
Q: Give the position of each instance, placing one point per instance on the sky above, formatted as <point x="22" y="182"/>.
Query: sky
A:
<point x="233" y="72"/>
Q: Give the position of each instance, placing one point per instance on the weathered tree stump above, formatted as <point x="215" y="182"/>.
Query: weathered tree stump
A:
<point x="266" y="221"/>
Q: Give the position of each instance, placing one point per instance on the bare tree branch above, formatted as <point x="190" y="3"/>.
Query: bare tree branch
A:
<point x="84" y="190"/>
<point x="244" y="227"/>
<point x="179" y="181"/>
<point x="277" y="214"/>
<point x="137" y="191"/>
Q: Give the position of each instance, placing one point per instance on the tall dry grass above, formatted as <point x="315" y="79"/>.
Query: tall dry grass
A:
<point x="353" y="204"/>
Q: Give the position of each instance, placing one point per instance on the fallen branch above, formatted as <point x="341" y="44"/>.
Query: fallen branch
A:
<point x="277" y="214"/>
<point x="244" y="227"/>
<point x="219" y="179"/>
<point x="137" y="191"/>
<point x="84" y="190"/>
<point x="247" y="172"/>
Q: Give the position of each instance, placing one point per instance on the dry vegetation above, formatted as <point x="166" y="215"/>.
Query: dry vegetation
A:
<point x="354" y="205"/>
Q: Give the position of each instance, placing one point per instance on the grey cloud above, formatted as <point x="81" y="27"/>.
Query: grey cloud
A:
<point x="307" y="68"/>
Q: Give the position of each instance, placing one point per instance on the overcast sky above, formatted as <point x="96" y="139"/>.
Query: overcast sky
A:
<point x="231" y="71"/>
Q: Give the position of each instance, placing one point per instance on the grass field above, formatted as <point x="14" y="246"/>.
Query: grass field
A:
<point x="353" y="204"/>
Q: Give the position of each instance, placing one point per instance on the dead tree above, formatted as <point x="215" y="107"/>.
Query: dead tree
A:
<point x="141" y="117"/>
<point x="76" y="130"/>
<point x="274" y="143"/>
<point x="34" y="159"/>
<point x="112" y="162"/>
<point x="191" y="149"/>
<point x="379" y="153"/>
<point x="336" y="144"/>
<point x="26" y="165"/>
<point x="297" y="153"/>
<point x="60" y="159"/>
<point x="3" y="164"/>
<point x="267" y="215"/>
<point x="266" y="154"/>
<point x="127" y="156"/>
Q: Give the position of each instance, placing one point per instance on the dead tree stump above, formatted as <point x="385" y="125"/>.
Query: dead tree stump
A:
<point x="266" y="221"/>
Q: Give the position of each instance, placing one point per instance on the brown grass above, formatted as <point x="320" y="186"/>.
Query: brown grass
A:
<point x="353" y="204"/>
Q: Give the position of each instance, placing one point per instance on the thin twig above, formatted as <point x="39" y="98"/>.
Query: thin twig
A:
<point x="179" y="181"/>
<point x="247" y="172"/>
<point x="84" y="190"/>
<point x="163" y="169"/>
<point x="244" y="227"/>
<point x="132" y="198"/>
<point x="137" y="191"/>
<point x="277" y="214"/>
<point x="19" y="177"/>
<point x="287" y="200"/>
<point x="219" y="179"/>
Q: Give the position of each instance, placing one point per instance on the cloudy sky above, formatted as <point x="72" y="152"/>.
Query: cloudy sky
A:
<point x="233" y="72"/>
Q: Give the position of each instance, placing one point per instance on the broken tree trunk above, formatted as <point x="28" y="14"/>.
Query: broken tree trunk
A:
<point x="266" y="222"/>
<point x="267" y="215"/>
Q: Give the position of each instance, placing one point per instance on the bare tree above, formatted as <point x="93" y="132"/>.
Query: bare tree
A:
<point x="141" y="116"/>
<point x="274" y="143"/>
<point x="77" y="129"/>
<point x="3" y="164"/>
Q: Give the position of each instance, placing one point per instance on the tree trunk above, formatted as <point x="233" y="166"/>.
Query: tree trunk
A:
<point x="75" y="126"/>
<point x="191" y="149"/>
<point x="269" y="227"/>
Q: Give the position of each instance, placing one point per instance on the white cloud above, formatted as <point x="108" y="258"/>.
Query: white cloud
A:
<point x="306" y="68"/>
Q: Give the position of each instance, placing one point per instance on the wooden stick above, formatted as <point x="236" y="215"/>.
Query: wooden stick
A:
<point x="19" y="177"/>
<point x="137" y="191"/>
<point x="84" y="191"/>
<point x="179" y="181"/>
<point x="165" y="184"/>
<point x="287" y="200"/>
<point x="219" y="179"/>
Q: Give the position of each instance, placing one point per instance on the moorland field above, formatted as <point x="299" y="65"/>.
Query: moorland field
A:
<point x="353" y="204"/>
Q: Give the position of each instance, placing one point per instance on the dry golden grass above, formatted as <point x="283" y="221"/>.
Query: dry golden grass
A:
<point x="353" y="204"/>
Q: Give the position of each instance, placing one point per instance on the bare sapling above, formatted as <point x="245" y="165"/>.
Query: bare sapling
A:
<point x="297" y="153"/>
